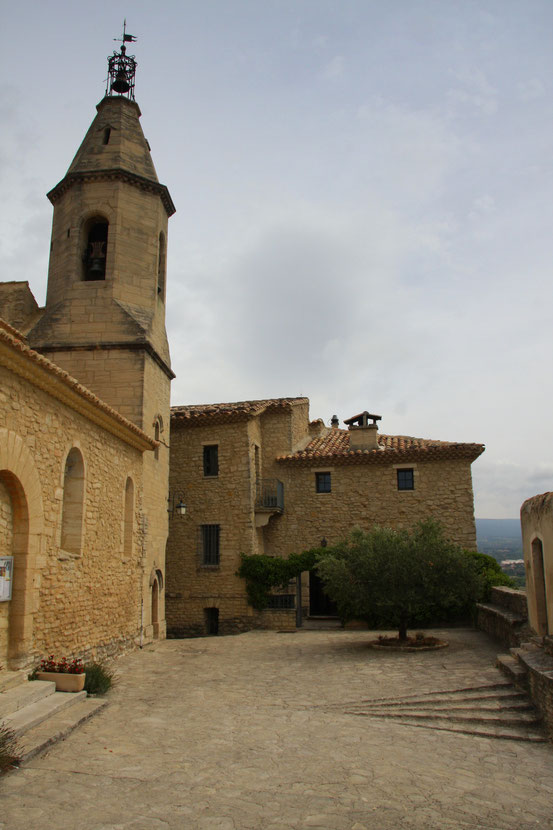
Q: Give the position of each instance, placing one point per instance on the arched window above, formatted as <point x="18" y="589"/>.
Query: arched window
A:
<point x="156" y="436"/>
<point x="128" y="524"/>
<point x="95" y="249"/>
<point x="161" y="266"/>
<point x="73" y="503"/>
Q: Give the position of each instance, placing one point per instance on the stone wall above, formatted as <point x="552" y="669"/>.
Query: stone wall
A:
<point x="536" y="516"/>
<point x="66" y="602"/>
<point x="366" y="495"/>
<point x="225" y="500"/>
<point x="505" y="616"/>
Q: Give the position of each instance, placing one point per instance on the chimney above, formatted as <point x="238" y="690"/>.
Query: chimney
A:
<point x="362" y="435"/>
<point x="334" y="422"/>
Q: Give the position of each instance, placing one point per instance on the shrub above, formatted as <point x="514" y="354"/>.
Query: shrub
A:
<point x="490" y="572"/>
<point x="99" y="679"/>
<point x="9" y="750"/>
<point x="399" y="578"/>
<point x="263" y="573"/>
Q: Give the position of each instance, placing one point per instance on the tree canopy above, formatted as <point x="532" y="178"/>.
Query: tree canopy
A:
<point x="400" y="578"/>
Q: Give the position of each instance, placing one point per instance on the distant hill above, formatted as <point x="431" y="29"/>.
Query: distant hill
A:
<point x="501" y="538"/>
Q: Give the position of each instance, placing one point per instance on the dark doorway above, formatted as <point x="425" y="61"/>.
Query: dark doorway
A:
<point x="320" y="604"/>
<point x="211" y="619"/>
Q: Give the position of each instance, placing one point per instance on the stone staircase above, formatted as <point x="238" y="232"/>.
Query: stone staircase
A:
<point x="38" y="715"/>
<point x="494" y="710"/>
<point x="530" y="667"/>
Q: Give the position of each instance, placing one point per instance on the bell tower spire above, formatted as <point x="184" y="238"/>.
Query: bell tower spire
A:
<point x="105" y="303"/>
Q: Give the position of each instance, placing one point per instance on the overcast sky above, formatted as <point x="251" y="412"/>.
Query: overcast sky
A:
<point x="363" y="195"/>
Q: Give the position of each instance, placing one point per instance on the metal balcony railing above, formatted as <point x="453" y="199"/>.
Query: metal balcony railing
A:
<point x="269" y="495"/>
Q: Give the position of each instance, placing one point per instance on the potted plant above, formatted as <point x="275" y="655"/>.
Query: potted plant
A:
<point x="68" y="676"/>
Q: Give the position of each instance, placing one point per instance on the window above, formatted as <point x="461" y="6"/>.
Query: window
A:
<point x="95" y="252"/>
<point x="322" y="482"/>
<point x="211" y="460"/>
<point x="156" y="437"/>
<point x="209" y="545"/>
<point x="73" y="498"/>
<point x="161" y="267"/>
<point x="128" y="519"/>
<point x="405" y="480"/>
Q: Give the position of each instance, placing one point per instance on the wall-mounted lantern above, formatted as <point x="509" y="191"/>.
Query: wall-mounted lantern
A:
<point x="176" y="505"/>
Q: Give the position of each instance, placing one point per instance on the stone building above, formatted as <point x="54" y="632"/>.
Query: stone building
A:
<point x="536" y="515"/>
<point x="84" y="406"/>
<point x="260" y="477"/>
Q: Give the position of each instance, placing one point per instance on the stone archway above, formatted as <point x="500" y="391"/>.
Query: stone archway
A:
<point x="22" y="512"/>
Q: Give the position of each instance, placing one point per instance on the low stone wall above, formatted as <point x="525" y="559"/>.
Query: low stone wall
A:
<point x="505" y="617"/>
<point x="511" y="599"/>
<point x="272" y="620"/>
<point x="539" y="666"/>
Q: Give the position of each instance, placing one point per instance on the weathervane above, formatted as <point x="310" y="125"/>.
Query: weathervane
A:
<point x="122" y="68"/>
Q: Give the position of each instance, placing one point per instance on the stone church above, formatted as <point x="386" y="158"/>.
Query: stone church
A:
<point x="84" y="396"/>
<point x="84" y="441"/>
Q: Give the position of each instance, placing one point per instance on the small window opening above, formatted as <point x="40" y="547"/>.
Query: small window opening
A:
<point x="161" y="267"/>
<point x="94" y="258"/>
<point x="107" y="133"/>
<point x="209" y="545"/>
<point x="322" y="482"/>
<point x="156" y="436"/>
<point x="211" y="460"/>
<point x="68" y="232"/>
<point x="405" y="480"/>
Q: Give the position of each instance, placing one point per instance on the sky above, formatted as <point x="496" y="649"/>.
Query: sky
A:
<point x="363" y="195"/>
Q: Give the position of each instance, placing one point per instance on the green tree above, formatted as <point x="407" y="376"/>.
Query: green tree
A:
<point x="399" y="578"/>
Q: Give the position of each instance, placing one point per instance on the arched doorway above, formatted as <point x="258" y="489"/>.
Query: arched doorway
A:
<point x="14" y="543"/>
<point x="540" y="592"/>
<point x="155" y="609"/>
<point x="23" y="518"/>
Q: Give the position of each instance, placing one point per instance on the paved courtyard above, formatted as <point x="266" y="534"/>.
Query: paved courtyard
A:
<point x="253" y="733"/>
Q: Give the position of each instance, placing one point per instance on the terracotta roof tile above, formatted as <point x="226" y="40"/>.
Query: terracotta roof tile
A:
<point x="217" y="413"/>
<point x="334" y="446"/>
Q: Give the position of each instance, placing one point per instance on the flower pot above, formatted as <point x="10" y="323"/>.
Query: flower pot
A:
<point x="64" y="682"/>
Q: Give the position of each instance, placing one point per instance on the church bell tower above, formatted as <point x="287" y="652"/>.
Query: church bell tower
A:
<point x="104" y="319"/>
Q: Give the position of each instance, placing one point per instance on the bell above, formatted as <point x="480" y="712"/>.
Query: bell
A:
<point x="96" y="268"/>
<point x="120" y="83"/>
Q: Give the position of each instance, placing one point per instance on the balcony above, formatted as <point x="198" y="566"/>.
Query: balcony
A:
<point x="269" y="500"/>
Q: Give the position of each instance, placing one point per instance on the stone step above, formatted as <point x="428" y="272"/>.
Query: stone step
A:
<point x="503" y="719"/>
<point x="33" y="714"/>
<point x="503" y="691"/>
<point x="9" y="679"/>
<point x="483" y="731"/>
<point x="488" y="707"/>
<point x="18" y="697"/>
<point x="58" y="726"/>
<point x="511" y="667"/>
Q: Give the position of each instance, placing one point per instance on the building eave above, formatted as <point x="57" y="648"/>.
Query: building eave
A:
<point x="18" y="358"/>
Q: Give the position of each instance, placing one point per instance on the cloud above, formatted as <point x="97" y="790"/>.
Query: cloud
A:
<point x="500" y="487"/>
<point x="334" y="68"/>
<point x="474" y="91"/>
